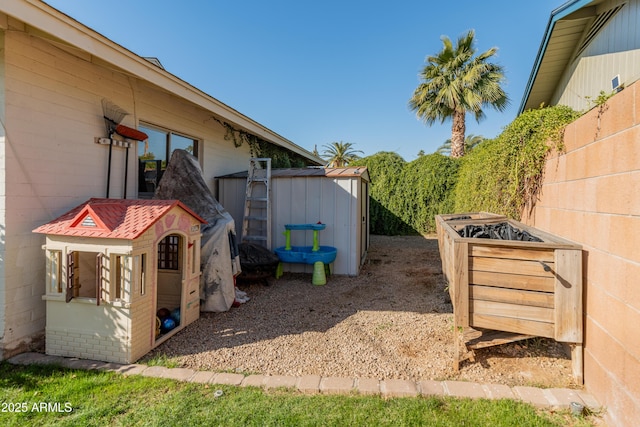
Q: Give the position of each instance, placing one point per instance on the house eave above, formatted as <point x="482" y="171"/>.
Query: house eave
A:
<point x="61" y="28"/>
<point x="541" y="75"/>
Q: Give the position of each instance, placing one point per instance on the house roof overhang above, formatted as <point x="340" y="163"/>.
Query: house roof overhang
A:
<point x="48" y="22"/>
<point x="562" y="37"/>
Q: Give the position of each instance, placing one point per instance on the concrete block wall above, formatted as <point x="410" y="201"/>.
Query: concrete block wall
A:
<point x="591" y="195"/>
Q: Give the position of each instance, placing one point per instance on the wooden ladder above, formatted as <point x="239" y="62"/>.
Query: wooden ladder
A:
<point x="256" y="223"/>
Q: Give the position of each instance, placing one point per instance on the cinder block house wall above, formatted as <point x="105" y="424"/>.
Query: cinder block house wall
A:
<point x="51" y="112"/>
<point x="591" y="195"/>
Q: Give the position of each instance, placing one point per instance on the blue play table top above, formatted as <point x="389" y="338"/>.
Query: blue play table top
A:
<point x="305" y="226"/>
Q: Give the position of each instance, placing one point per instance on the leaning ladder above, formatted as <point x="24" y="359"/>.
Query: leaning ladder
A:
<point x="256" y="223"/>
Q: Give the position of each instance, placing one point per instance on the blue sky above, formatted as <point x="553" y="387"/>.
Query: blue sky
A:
<point x="324" y="71"/>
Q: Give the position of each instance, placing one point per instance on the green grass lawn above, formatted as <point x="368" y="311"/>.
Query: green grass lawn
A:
<point x="49" y="395"/>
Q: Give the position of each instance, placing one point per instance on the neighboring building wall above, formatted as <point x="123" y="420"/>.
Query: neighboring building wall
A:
<point x="51" y="114"/>
<point x="591" y="195"/>
<point x="615" y="50"/>
<point x="3" y="212"/>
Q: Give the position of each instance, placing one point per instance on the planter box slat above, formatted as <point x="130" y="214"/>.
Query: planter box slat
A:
<point x="519" y="326"/>
<point x="482" y="338"/>
<point x="517" y="287"/>
<point x="501" y="265"/>
<point x="516" y="296"/>
<point x="513" y="281"/>
<point x="512" y="311"/>
<point x="544" y="255"/>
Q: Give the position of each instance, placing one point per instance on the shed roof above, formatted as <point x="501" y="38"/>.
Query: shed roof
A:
<point x="346" y="172"/>
<point x="112" y="218"/>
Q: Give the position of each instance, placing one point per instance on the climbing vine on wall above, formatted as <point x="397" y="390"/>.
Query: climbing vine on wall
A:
<point x="280" y="157"/>
<point x="504" y="175"/>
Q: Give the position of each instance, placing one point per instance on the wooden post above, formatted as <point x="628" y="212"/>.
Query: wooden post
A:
<point x="568" y="295"/>
<point x="577" y="363"/>
<point x="459" y="291"/>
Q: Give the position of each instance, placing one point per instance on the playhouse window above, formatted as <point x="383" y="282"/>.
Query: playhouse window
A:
<point x="194" y="254"/>
<point x="120" y="275"/>
<point x="83" y="273"/>
<point x="54" y="271"/>
<point x="169" y="253"/>
<point x="139" y="273"/>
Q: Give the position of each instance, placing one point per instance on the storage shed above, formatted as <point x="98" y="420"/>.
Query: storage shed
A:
<point x="122" y="277"/>
<point x="337" y="197"/>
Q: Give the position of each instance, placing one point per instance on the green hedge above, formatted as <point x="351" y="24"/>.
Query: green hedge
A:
<point x="427" y="190"/>
<point x="385" y="169"/>
<point x="405" y="197"/>
<point x="502" y="176"/>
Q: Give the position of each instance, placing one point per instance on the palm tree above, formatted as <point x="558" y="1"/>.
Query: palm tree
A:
<point x="339" y="154"/>
<point x="456" y="82"/>
<point x="470" y="142"/>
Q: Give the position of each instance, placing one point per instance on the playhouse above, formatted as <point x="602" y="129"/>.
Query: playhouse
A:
<point x="122" y="277"/>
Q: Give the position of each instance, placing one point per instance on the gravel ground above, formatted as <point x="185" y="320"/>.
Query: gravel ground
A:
<point x="393" y="321"/>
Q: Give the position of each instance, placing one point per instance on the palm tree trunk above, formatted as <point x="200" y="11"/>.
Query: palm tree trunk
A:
<point x="457" y="134"/>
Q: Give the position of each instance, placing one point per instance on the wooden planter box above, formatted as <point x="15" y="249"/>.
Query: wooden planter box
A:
<point x="523" y="289"/>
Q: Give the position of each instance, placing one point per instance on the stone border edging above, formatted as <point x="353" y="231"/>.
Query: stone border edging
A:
<point x="556" y="398"/>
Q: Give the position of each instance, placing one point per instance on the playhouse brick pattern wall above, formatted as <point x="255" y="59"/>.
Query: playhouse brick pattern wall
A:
<point x="591" y="195"/>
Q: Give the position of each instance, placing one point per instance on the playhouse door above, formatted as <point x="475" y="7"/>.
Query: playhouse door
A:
<point x="171" y="269"/>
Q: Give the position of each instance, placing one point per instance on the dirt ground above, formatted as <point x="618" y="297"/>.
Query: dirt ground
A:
<point x="394" y="320"/>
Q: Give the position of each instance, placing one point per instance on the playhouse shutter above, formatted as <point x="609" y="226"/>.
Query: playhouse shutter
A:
<point x="70" y="275"/>
<point x="99" y="259"/>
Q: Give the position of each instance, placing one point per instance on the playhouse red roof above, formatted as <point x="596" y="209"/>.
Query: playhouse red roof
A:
<point x="112" y="218"/>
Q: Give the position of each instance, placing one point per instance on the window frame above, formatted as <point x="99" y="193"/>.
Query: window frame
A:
<point x="152" y="181"/>
<point x="54" y="272"/>
<point x="120" y="276"/>
<point x="170" y="253"/>
<point x="139" y="274"/>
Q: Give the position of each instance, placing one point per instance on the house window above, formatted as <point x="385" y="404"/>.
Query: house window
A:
<point x="155" y="152"/>
<point x="54" y="271"/>
<point x="169" y="253"/>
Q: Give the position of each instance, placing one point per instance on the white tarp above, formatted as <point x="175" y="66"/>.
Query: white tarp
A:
<point x="183" y="180"/>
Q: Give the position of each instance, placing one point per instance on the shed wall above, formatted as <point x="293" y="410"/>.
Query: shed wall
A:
<point x="591" y="195"/>
<point x="336" y="202"/>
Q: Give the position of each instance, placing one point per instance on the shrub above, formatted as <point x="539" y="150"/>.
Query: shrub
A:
<point x="385" y="169"/>
<point x="427" y="190"/>
<point x="405" y="197"/>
